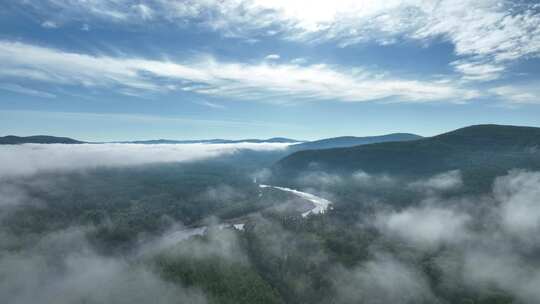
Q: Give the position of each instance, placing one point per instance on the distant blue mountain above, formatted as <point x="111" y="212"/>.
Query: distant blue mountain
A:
<point x="213" y="141"/>
<point x="37" y="139"/>
<point x="45" y="139"/>
<point x="351" y="141"/>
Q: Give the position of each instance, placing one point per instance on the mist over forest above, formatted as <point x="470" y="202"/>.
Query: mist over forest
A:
<point x="198" y="223"/>
<point x="270" y="152"/>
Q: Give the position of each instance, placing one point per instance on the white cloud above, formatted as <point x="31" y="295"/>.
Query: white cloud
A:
<point x="507" y="270"/>
<point x="205" y="75"/>
<point x="518" y="94"/>
<point x="478" y="71"/>
<point x="28" y="159"/>
<point x="520" y="208"/>
<point x="78" y="274"/>
<point x="144" y="11"/>
<point x="383" y="280"/>
<point x="487" y="34"/>
<point x="425" y="226"/>
<point x="299" y="61"/>
<point x="272" y="57"/>
<point x="489" y="242"/>
<point x="364" y="179"/>
<point x="24" y="90"/>
<point x="320" y="179"/>
<point x="211" y="104"/>
<point x="492" y="30"/>
<point x="116" y="10"/>
<point x="12" y="194"/>
<point x="49" y="24"/>
<point x="445" y="181"/>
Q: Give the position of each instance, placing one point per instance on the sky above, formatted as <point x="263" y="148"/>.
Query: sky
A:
<point x="183" y="69"/>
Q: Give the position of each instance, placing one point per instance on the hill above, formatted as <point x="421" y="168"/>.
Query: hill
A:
<point x="350" y="141"/>
<point x="37" y="139"/>
<point x="212" y="141"/>
<point x="480" y="148"/>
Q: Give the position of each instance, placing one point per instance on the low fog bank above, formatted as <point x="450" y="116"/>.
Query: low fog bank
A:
<point x="28" y="159"/>
<point x="487" y="246"/>
<point x="65" y="266"/>
<point x="62" y="267"/>
<point x="104" y="236"/>
<point x="439" y="244"/>
<point x="389" y="239"/>
<point x="445" y="181"/>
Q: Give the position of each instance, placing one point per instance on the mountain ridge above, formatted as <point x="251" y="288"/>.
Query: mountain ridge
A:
<point x="212" y="141"/>
<point x="349" y="141"/>
<point x="48" y="139"/>
<point x="493" y="147"/>
<point x="37" y="139"/>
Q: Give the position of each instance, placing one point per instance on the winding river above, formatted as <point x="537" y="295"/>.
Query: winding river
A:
<point x="320" y="206"/>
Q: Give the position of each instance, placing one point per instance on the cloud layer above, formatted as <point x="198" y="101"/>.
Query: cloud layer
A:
<point x="487" y="34"/>
<point x="205" y="75"/>
<point x="62" y="267"/>
<point x="488" y="242"/>
<point x="28" y="159"/>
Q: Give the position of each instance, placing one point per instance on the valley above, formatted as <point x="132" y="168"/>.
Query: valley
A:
<point x="252" y="222"/>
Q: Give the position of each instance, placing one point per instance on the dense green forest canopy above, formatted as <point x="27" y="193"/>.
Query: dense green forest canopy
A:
<point x="463" y="229"/>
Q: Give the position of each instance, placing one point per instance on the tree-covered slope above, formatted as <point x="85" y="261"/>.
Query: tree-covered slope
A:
<point x="491" y="147"/>
<point x="349" y="141"/>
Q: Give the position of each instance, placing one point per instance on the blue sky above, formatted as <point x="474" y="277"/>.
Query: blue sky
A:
<point x="179" y="69"/>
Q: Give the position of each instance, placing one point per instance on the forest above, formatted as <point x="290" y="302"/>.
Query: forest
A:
<point x="204" y="231"/>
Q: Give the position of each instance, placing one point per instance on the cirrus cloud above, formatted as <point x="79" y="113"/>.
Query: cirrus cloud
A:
<point x="487" y="35"/>
<point x="208" y="76"/>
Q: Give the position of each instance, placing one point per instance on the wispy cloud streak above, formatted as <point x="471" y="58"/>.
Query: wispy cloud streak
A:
<point x="205" y="75"/>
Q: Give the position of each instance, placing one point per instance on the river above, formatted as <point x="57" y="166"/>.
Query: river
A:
<point x="320" y="206"/>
